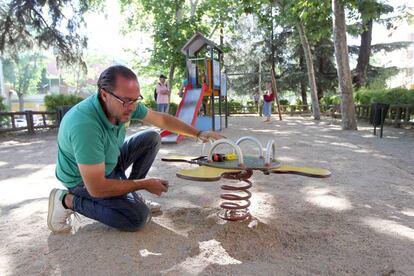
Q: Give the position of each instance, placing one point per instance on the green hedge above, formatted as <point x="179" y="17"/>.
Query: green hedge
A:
<point x="251" y="107"/>
<point x="4" y="120"/>
<point x="52" y="102"/>
<point x="390" y="96"/>
<point x="172" y="108"/>
<point x="3" y="107"/>
<point x="330" y="100"/>
<point x="234" y="106"/>
<point x="284" y="102"/>
<point x="367" y="96"/>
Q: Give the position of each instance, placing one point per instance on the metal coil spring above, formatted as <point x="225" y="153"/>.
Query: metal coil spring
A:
<point x="236" y="206"/>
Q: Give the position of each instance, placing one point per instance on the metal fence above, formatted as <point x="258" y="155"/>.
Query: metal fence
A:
<point x="397" y="114"/>
<point x="34" y="120"/>
<point x="28" y="120"/>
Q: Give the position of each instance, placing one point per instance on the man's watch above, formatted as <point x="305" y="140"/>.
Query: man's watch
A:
<point x="198" y="135"/>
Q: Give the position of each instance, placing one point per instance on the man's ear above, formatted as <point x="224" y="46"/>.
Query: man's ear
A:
<point x="103" y="95"/>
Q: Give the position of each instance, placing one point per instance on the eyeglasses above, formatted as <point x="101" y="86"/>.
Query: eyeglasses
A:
<point x="125" y="103"/>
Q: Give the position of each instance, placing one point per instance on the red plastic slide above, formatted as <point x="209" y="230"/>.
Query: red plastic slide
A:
<point x="187" y="112"/>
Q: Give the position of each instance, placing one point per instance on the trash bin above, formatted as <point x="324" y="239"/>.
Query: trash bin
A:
<point x="378" y="113"/>
<point x="61" y="111"/>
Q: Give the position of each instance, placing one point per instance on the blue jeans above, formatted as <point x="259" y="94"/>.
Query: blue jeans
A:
<point x="267" y="108"/>
<point x="162" y="108"/>
<point x="127" y="212"/>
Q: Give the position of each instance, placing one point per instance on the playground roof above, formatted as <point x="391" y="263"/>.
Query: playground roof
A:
<point x="196" y="43"/>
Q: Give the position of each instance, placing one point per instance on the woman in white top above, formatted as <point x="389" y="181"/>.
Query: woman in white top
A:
<point x="163" y="95"/>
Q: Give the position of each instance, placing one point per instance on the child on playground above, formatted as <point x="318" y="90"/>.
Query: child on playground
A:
<point x="268" y="99"/>
<point x="183" y="88"/>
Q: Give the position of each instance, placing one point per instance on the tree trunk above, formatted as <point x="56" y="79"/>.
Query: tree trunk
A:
<point x="171" y="79"/>
<point x="320" y="92"/>
<point x="323" y="54"/>
<point x="272" y="43"/>
<point x="2" y="87"/>
<point x="363" y="56"/>
<point x="344" y="72"/>
<point x="275" y="91"/>
<point x="311" y="72"/>
<point x="273" y="64"/>
<point x="303" y="81"/>
<point x="321" y="70"/>
<point x="303" y="94"/>
<point x="21" y="101"/>
<point x="193" y="7"/>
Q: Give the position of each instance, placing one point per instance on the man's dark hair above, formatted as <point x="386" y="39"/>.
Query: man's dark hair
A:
<point x="107" y="79"/>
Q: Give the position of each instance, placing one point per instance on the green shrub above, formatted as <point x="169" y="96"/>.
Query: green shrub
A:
<point x="4" y="120"/>
<point x="394" y="96"/>
<point x="52" y="102"/>
<point x="330" y="100"/>
<point x="234" y="106"/>
<point x="364" y="96"/>
<point x="284" y="102"/>
<point x="251" y="107"/>
<point x="173" y="109"/>
<point x="3" y="107"/>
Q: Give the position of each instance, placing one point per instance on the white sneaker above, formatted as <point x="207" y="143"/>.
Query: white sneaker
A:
<point x="58" y="218"/>
<point x="154" y="207"/>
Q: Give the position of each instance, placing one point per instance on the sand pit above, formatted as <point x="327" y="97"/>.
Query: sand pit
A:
<point x="358" y="221"/>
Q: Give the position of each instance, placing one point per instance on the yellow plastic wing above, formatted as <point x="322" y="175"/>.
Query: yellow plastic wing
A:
<point x="305" y="171"/>
<point x="204" y="173"/>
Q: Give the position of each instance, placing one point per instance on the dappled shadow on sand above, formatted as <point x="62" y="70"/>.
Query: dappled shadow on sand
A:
<point x="358" y="221"/>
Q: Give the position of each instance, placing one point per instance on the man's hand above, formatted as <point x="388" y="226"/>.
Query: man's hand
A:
<point x="156" y="186"/>
<point x="206" y="136"/>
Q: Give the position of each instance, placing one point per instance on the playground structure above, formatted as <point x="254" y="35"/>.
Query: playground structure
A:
<point x="237" y="197"/>
<point x="206" y="88"/>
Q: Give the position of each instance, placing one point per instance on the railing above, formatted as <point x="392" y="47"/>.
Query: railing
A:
<point x="285" y="109"/>
<point x="32" y="120"/>
<point x="28" y="120"/>
<point x="396" y="115"/>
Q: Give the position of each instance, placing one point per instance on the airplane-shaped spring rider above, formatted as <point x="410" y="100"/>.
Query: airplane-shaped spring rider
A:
<point x="238" y="166"/>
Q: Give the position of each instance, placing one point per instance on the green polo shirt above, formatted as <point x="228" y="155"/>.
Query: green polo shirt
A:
<point x="86" y="136"/>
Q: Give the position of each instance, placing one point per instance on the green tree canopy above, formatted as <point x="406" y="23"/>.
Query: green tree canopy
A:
<point x="44" y="24"/>
<point x="23" y="74"/>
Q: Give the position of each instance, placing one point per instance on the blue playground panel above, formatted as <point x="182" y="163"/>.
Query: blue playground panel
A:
<point x="204" y="123"/>
<point x="189" y="107"/>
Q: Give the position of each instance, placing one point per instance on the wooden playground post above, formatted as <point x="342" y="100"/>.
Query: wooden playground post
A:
<point x="274" y="88"/>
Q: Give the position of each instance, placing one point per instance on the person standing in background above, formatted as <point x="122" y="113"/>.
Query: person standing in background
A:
<point x="163" y="95"/>
<point x="268" y="98"/>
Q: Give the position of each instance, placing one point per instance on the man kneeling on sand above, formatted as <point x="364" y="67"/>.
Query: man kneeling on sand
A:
<point x="93" y="156"/>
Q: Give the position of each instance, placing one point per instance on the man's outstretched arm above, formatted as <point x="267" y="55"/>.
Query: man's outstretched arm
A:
<point x="171" y="123"/>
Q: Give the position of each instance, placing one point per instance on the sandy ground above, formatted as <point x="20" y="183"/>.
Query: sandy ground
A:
<point x="359" y="221"/>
